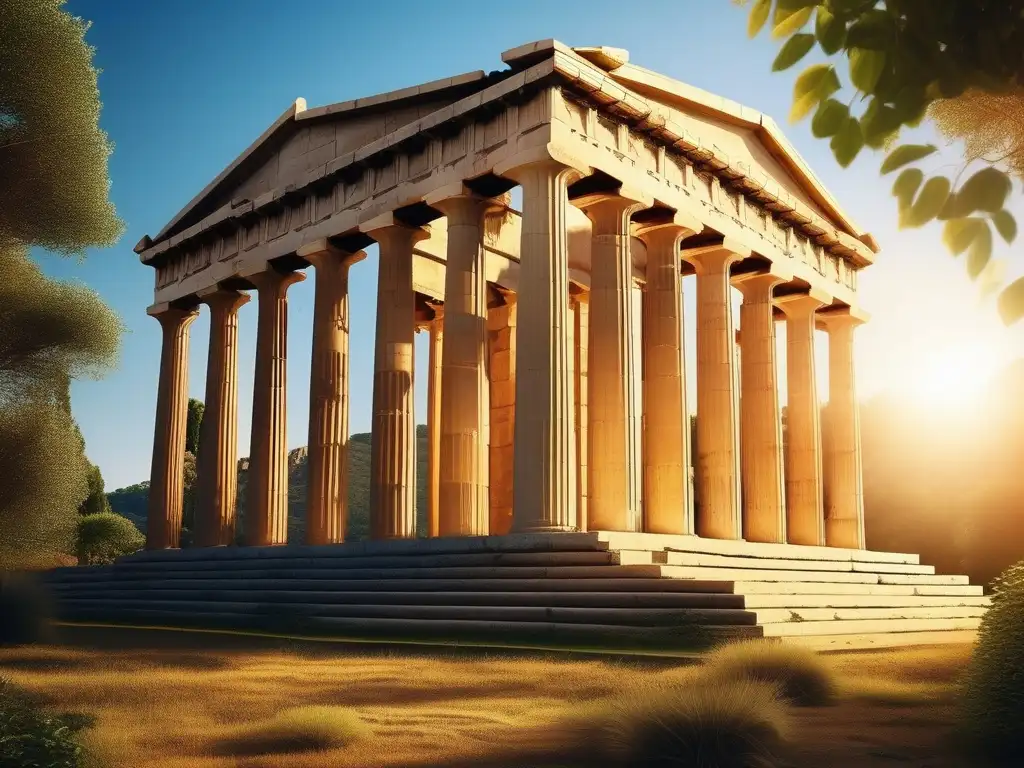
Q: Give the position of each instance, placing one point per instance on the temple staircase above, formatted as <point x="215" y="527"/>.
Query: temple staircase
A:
<point x="597" y="590"/>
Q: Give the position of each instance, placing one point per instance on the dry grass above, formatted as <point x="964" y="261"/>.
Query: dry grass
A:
<point x="299" y="729"/>
<point x="181" y="707"/>
<point x="802" y="677"/>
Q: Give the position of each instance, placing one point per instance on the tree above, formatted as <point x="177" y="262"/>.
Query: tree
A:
<point x="955" y="62"/>
<point x="96" y="501"/>
<point x="193" y="425"/>
<point x="104" y="537"/>
<point x="53" y="194"/>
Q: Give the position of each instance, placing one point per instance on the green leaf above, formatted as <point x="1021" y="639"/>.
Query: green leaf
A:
<point x="758" y="16"/>
<point x="1005" y="225"/>
<point x="907" y="184"/>
<point x="958" y="234"/>
<point x="878" y="123"/>
<point x="848" y="142"/>
<point x="954" y="208"/>
<point x="1011" y="302"/>
<point x="815" y="83"/>
<point x="873" y="30"/>
<point x="980" y="252"/>
<point x="792" y="51"/>
<point x="986" y="190"/>
<point x="829" y="118"/>
<point x="905" y="154"/>
<point x="830" y="31"/>
<point x="929" y="202"/>
<point x="865" y="68"/>
<point x="790" y="17"/>
<point x="991" y="277"/>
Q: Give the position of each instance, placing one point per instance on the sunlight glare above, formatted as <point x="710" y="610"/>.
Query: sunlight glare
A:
<point x="957" y="374"/>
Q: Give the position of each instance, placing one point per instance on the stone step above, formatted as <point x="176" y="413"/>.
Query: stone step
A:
<point x="865" y="641"/>
<point x="760" y="601"/>
<point x="743" y="587"/>
<point x="645" y="584"/>
<point x="325" y="562"/>
<point x="543" y="599"/>
<point x="587" y="635"/>
<point x="662" y="542"/>
<point x="640" y="617"/>
<point x="115" y="573"/>
<point x="727" y="561"/>
<point x="867" y="626"/>
<point x="886" y="578"/>
<point x="754" y="574"/>
<point x="780" y="615"/>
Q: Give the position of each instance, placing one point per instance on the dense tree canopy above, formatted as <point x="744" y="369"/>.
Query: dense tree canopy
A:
<point x="54" y="189"/>
<point x="193" y="425"/>
<point x="53" y="194"/>
<point x="956" y="62"/>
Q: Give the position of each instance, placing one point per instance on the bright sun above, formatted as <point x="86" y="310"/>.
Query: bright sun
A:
<point x="956" y="375"/>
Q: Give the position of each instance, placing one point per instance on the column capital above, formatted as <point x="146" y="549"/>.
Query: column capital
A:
<point x="223" y="298"/>
<point x="548" y="158"/>
<point x="459" y="201"/>
<point x="320" y="251"/>
<point x="838" y="318"/>
<point x="708" y="259"/>
<point x="387" y="230"/>
<point x="803" y="304"/>
<point x="173" y="317"/>
<point x="610" y="212"/>
<point x="759" y="285"/>
<point x="671" y="230"/>
<point x="267" y="278"/>
<point x="437" y="307"/>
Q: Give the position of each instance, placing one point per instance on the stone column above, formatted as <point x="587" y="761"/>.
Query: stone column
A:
<point x="465" y="396"/>
<point x="844" y="492"/>
<point x="544" y="484"/>
<point x="217" y="472"/>
<point x="167" y="477"/>
<point x="613" y="484"/>
<point x="435" y="386"/>
<point x="501" y="331"/>
<point x="393" y="438"/>
<point x="764" y="508"/>
<point x="266" y="513"/>
<point x="327" y="501"/>
<point x="580" y="303"/>
<point x="805" y="517"/>
<point x="665" y="459"/>
<point x="717" y="464"/>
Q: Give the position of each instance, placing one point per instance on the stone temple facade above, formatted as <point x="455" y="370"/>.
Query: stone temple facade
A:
<point x="557" y="416"/>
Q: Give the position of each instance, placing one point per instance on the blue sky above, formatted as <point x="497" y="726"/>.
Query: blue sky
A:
<point x="186" y="86"/>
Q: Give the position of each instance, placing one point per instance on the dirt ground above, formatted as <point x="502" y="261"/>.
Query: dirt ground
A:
<point x="170" y="699"/>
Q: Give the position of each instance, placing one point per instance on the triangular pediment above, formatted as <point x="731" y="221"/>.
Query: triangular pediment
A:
<point x="302" y="139"/>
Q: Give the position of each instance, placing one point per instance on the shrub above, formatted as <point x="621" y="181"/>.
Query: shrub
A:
<point x="741" y="724"/>
<point x="105" y="536"/>
<point x="801" y="676"/>
<point x="299" y="729"/>
<point x="30" y="737"/>
<point x="25" y="610"/>
<point x="992" y="696"/>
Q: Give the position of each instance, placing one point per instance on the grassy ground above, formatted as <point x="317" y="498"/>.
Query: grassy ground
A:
<point x="199" y="701"/>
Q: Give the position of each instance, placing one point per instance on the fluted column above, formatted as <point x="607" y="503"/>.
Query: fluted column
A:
<point x="844" y="492"/>
<point x="393" y="438"/>
<point x="717" y="464"/>
<point x="217" y="472"/>
<point x="764" y="508"/>
<point x="613" y="485"/>
<point x="665" y="459"/>
<point x="266" y="513"/>
<point x="544" y="486"/>
<point x="167" y="476"/>
<point x="805" y="516"/>
<point x="435" y="386"/>
<point x="501" y="332"/>
<point x="580" y="304"/>
<point x="465" y="396"/>
<point x="327" y="501"/>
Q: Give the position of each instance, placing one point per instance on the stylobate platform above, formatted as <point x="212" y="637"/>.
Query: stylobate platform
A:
<point x="594" y="589"/>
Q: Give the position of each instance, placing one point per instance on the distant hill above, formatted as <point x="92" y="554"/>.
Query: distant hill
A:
<point x="132" y="501"/>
